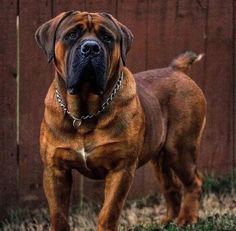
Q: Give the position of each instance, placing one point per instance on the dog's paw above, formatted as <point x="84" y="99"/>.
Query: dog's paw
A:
<point x="186" y="220"/>
<point x="165" y="220"/>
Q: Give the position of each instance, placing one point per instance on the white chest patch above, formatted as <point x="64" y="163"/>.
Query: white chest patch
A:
<point x="83" y="153"/>
<point x="84" y="156"/>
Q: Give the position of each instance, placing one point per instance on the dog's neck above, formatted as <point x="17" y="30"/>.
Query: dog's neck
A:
<point x="85" y="102"/>
<point x="62" y="121"/>
<point x="81" y="104"/>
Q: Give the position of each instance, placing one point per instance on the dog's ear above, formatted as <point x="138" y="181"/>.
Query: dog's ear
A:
<point x="126" y="36"/>
<point x="126" y="41"/>
<point x="45" y="35"/>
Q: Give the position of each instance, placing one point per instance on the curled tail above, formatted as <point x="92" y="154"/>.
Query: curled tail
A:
<point x="184" y="61"/>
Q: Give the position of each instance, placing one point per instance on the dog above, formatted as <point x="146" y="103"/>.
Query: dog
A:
<point x="104" y="122"/>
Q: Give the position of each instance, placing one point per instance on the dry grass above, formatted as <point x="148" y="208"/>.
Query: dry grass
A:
<point x="216" y="211"/>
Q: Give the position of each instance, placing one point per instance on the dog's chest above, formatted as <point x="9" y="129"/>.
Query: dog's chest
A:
<point x="92" y="152"/>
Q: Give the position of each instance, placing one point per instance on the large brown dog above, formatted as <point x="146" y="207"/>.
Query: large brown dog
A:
<point x="105" y="123"/>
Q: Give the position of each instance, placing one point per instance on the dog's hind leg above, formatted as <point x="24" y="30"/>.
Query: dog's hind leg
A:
<point x="182" y="149"/>
<point x="169" y="185"/>
<point x="186" y="170"/>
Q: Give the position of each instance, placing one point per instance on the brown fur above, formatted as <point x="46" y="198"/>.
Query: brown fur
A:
<point x="158" y="115"/>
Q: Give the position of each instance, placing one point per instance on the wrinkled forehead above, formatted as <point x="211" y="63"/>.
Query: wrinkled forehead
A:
<point x="88" y="21"/>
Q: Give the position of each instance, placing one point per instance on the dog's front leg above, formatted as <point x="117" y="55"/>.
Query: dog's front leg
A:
<point x="57" y="187"/>
<point x="117" y="186"/>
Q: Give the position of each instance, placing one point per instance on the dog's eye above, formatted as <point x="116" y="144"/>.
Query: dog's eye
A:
<point x="107" y="38"/>
<point x="72" y="35"/>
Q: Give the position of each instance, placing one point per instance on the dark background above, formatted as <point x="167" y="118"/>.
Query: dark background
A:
<point x="162" y="30"/>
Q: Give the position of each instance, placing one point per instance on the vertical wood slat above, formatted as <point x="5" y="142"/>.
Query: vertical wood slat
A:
<point x="218" y="86"/>
<point x="101" y="6"/>
<point x="233" y="123"/>
<point x="161" y="31"/>
<point x="60" y="6"/>
<point x="35" y="77"/>
<point x="133" y="15"/>
<point x="8" y="72"/>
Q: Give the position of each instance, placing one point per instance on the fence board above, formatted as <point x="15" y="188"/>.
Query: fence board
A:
<point x="35" y="78"/>
<point x="8" y="146"/>
<point x="101" y="6"/>
<point x="133" y="15"/>
<point x="60" y="6"/>
<point x="234" y="91"/>
<point x="218" y="85"/>
<point x="161" y="29"/>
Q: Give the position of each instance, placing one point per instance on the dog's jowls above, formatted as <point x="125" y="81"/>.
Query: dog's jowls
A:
<point x="104" y="122"/>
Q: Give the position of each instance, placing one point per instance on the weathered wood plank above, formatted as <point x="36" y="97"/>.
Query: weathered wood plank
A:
<point x="217" y="86"/>
<point x="35" y="77"/>
<point x="133" y="14"/>
<point x="8" y="73"/>
<point x="233" y="97"/>
<point x="60" y="6"/>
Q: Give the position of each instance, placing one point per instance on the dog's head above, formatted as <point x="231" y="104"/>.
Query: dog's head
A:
<point x="86" y="48"/>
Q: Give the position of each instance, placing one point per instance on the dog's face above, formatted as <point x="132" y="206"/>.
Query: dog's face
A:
<point x="86" y="47"/>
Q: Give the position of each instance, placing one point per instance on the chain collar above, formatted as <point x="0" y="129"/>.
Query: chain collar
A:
<point x="77" y="121"/>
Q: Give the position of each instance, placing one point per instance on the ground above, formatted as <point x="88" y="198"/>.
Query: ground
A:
<point x="218" y="213"/>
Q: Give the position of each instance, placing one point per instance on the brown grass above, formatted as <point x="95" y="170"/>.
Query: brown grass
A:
<point x="145" y="211"/>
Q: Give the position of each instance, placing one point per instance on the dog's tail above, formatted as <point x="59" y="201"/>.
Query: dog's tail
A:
<point x="184" y="61"/>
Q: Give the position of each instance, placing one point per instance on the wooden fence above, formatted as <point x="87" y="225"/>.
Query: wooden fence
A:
<point x="162" y="30"/>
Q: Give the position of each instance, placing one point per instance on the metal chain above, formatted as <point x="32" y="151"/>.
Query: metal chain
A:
<point x="77" y="121"/>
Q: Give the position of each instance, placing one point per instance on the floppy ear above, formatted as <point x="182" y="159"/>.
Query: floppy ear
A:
<point x="45" y="35"/>
<point x="126" y="41"/>
<point x="126" y="36"/>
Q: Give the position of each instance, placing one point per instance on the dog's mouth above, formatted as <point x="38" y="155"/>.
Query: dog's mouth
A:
<point x="86" y="71"/>
<point x="90" y="77"/>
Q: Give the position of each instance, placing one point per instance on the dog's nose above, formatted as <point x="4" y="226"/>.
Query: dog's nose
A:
<point x="90" y="47"/>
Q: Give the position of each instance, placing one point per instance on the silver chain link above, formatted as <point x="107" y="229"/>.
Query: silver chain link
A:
<point x="77" y="121"/>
